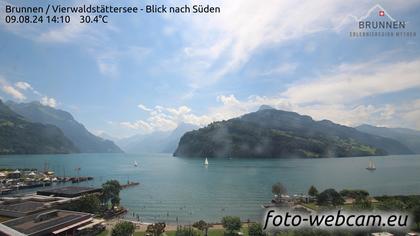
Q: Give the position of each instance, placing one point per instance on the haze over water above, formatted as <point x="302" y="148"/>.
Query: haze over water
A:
<point x="172" y="187"/>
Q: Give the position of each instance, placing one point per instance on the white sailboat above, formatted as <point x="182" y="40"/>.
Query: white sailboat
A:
<point x="135" y="163"/>
<point x="371" y="165"/>
<point x="206" y="162"/>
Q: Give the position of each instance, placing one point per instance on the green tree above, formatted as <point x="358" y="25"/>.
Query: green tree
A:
<point x="88" y="203"/>
<point x="203" y="226"/>
<point x="123" y="228"/>
<point x="111" y="192"/>
<point x="330" y="197"/>
<point x="115" y="201"/>
<point x="362" y="203"/>
<point x="231" y="223"/>
<point x="278" y="189"/>
<point x="255" y="229"/>
<point x="156" y="229"/>
<point x="392" y="205"/>
<point x="354" y="193"/>
<point x="313" y="191"/>
<point x="416" y="215"/>
<point x="186" y="231"/>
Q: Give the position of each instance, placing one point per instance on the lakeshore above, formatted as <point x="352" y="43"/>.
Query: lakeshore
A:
<point x="182" y="188"/>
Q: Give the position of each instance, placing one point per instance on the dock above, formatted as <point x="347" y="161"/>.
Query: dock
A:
<point x="129" y="184"/>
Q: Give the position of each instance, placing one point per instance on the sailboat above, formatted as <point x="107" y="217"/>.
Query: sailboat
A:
<point x="135" y="163"/>
<point x="206" y="162"/>
<point x="371" y="165"/>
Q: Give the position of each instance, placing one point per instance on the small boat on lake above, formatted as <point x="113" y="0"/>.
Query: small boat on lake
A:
<point x="206" y="162"/>
<point x="371" y="165"/>
<point x="136" y="164"/>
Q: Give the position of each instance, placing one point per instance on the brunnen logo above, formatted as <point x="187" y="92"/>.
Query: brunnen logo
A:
<point x="379" y="23"/>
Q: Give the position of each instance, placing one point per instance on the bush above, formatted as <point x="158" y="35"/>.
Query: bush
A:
<point x="186" y="231"/>
<point x="231" y="223"/>
<point x="313" y="191"/>
<point x="202" y="225"/>
<point x="278" y="188"/>
<point x="392" y="205"/>
<point x="330" y="197"/>
<point x="256" y="230"/>
<point x="124" y="228"/>
<point x="156" y="229"/>
<point x="88" y="203"/>
<point x="362" y="203"/>
<point x="416" y="214"/>
<point x="354" y="193"/>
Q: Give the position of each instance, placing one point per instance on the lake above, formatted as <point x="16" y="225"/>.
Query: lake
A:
<point x="183" y="188"/>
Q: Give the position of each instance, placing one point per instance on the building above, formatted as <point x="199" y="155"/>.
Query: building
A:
<point x="14" y="175"/>
<point x="54" y="222"/>
<point x="69" y="191"/>
<point x="382" y="234"/>
<point x="19" y="208"/>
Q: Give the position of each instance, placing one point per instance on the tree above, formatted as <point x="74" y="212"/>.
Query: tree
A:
<point x="255" y="229"/>
<point x="186" y="231"/>
<point x="111" y="191"/>
<point x="231" y="223"/>
<point x="124" y="228"/>
<point x="330" y="197"/>
<point x="313" y="191"/>
<point x="88" y="203"/>
<point x="278" y="189"/>
<point x="416" y="215"/>
<point x="354" y="193"/>
<point x="362" y="203"/>
<point x="156" y="229"/>
<point x="392" y="205"/>
<point x="203" y="226"/>
<point x="115" y="201"/>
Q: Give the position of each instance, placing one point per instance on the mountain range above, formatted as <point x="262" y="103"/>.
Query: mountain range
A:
<point x="156" y="142"/>
<point x="32" y="128"/>
<point x="19" y="136"/>
<point x="85" y="141"/>
<point x="271" y="133"/>
<point x="408" y="137"/>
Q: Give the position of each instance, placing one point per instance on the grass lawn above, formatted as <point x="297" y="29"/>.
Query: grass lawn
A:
<point x="212" y="232"/>
<point x="311" y="205"/>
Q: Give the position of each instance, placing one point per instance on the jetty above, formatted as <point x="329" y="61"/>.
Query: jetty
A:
<point x="129" y="184"/>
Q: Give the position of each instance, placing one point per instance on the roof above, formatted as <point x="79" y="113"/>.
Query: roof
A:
<point x="21" y="208"/>
<point x="9" y="231"/>
<point x="47" y="222"/>
<point x="25" y="206"/>
<point x="69" y="191"/>
<point x="382" y="234"/>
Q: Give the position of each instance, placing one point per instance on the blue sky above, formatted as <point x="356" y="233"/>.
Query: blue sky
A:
<point x="143" y="73"/>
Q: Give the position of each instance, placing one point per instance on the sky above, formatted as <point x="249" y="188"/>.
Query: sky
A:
<point x="142" y="73"/>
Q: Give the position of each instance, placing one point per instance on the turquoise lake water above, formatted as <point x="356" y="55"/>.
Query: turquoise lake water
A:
<point x="172" y="187"/>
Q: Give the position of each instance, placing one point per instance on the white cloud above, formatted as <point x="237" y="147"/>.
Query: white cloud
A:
<point x="138" y="125"/>
<point x="23" y="85"/>
<point x="108" y="60"/>
<point x="13" y="92"/>
<point x="228" y="100"/>
<point x="47" y="101"/>
<point x="219" y="44"/>
<point x="17" y="90"/>
<point x="144" y="108"/>
<point x="63" y="34"/>
<point x="351" y="82"/>
<point x="165" y="118"/>
<point x="10" y="90"/>
<point x="285" y="68"/>
<point x="107" y="67"/>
